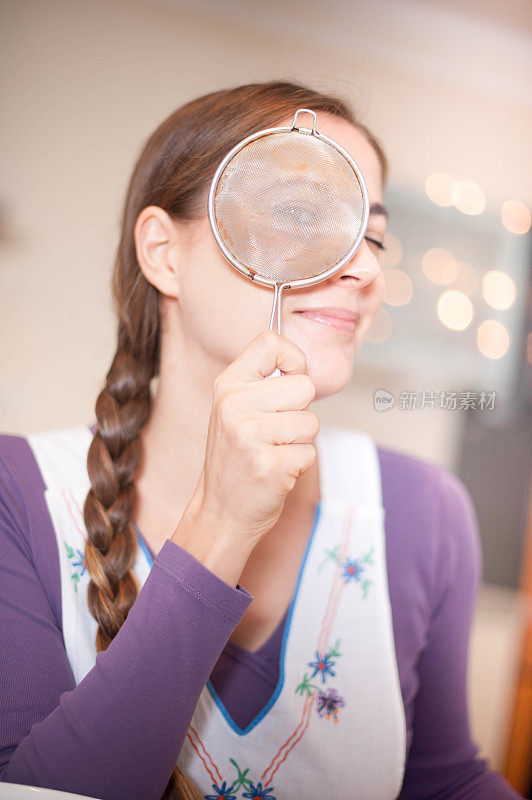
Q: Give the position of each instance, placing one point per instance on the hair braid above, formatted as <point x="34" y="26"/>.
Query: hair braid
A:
<point x="122" y="408"/>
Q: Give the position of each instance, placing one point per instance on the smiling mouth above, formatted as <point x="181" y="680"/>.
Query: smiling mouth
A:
<point x="330" y="320"/>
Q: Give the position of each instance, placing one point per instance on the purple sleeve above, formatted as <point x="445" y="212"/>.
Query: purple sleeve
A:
<point x="442" y="759"/>
<point x="117" y="734"/>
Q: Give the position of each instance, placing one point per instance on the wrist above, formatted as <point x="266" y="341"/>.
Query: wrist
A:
<point x="207" y="539"/>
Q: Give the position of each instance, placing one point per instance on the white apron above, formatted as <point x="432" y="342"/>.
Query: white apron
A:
<point x="335" y="726"/>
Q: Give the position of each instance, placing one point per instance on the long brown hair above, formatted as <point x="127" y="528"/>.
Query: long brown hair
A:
<point x="173" y="171"/>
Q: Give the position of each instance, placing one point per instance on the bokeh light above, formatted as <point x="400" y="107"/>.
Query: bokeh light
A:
<point x="493" y="339"/>
<point x="498" y="289"/>
<point x="439" y="188"/>
<point x="439" y="266"/>
<point x="455" y="310"/>
<point x="468" y="197"/>
<point x="398" y="288"/>
<point x="516" y="217"/>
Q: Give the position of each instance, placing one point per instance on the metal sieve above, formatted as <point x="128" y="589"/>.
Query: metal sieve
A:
<point x="288" y="207"/>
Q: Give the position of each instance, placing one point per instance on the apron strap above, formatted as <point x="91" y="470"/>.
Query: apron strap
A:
<point x="62" y="456"/>
<point x="349" y="466"/>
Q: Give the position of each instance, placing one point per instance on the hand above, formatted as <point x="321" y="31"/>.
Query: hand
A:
<point x="260" y="438"/>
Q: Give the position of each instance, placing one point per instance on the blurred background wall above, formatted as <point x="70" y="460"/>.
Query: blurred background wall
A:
<point x="445" y="86"/>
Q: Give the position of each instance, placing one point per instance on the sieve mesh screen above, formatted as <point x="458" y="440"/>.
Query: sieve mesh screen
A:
<point x="288" y="206"/>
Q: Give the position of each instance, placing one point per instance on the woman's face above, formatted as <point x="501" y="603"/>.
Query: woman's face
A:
<point x="221" y="311"/>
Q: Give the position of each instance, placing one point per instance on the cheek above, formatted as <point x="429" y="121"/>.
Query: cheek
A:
<point x="372" y="295"/>
<point x="222" y="310"/>
<point x="370" y="301"/>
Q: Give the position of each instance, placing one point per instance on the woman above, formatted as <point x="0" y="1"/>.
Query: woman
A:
<point x="184" y="581"/>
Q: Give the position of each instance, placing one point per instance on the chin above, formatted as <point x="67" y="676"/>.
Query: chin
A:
<point x="329" y="377"/>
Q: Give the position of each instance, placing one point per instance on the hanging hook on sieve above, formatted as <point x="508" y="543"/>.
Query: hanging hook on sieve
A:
<point x="305" y="130"/>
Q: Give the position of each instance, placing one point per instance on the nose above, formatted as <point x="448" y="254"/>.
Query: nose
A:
<point x="363" y="266"/>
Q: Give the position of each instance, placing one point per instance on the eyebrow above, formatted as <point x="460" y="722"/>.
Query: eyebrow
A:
<point x="378" y="208"/>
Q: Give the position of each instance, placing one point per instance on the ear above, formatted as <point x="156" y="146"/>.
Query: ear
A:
<point x="157" y="248"/>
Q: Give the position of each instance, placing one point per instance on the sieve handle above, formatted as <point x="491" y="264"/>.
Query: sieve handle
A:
<point x="277" y="306"/>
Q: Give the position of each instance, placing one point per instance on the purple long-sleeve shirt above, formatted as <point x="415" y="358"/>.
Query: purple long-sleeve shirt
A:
<point x="118" y="733"/>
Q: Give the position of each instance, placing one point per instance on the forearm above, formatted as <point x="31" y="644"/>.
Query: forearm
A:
<point x="118" y="733"/>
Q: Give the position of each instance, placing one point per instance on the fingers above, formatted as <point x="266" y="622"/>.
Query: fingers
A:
<point x="285" y="427"/>
<point x="263" y="354"/>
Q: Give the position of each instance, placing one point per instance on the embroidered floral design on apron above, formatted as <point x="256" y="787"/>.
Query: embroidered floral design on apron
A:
<point x="337" y="660"/>
<point x="79" y="564"/>
<point x="328" y="702"/>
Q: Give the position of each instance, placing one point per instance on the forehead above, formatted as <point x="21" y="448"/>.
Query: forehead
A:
<point x="354" y="142"/>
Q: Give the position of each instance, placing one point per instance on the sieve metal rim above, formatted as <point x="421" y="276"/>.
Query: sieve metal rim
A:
<point x="301" y="132"/>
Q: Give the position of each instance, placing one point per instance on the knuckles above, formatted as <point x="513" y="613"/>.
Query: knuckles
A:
<point x="314" y="424"/>
<point x="226" y="408"/>
<point x="288" y="485"/>
<point x="219" y="386"/>
<point x="246" y="433"/>
<point x="262" y="464"/>
<point x="270" y="341"/>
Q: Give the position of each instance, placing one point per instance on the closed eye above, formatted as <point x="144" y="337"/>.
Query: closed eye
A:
<point x="376" y="242"/>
